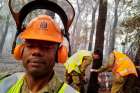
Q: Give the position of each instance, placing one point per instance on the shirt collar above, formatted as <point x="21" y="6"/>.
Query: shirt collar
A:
<point x="52" y="87"/>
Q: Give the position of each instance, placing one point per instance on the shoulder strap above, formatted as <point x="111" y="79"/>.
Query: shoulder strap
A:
<point x="67" y="89"/>
<point x="60" y="87"/>
<point x="2" y="76"/>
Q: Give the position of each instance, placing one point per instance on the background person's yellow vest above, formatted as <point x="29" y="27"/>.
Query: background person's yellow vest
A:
<point x="123" y="65"/>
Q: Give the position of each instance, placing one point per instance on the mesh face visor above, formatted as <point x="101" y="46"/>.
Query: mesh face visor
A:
<point x="21" y="8"/>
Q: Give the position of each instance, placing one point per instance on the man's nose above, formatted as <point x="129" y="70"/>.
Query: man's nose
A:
<point x="36" y="51"/>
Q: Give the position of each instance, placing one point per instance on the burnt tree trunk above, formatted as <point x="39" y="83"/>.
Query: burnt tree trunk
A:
<point x="99" y="44"/>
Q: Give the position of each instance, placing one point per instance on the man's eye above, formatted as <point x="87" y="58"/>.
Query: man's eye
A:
<point x="40" y="46"/>
<point x="29" y="46"/>
<point x="47" y="47"/>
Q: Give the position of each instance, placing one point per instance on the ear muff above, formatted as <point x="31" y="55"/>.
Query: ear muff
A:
<point x="62" y="54"/>
<point x="63" y="51"/>
<point x="18" y="51"/>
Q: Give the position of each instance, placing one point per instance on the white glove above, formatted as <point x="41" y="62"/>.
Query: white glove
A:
<point x="93" y="70"/>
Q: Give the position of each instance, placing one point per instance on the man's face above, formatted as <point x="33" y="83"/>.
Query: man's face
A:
<point x="95" y="56"/>
<point x="86" y="61"/>
<point x="39" y="57"/>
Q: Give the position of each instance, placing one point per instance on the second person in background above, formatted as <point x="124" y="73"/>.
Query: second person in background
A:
<point x="75" y="69"/>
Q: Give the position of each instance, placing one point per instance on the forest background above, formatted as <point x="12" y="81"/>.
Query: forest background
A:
<point x="105" y="24"/>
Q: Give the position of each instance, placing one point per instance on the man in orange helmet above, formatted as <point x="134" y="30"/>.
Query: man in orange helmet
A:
<point x="124" y="72"/>
<point x="40" y="48"/>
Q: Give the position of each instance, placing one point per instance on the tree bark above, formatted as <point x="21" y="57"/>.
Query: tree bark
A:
<point x="99" y="44"/>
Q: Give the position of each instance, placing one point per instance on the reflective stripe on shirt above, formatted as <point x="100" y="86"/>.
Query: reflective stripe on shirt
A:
<point x="67" y="89"/>
<point x="7" y="82"/>
<point x="13" y="84"/>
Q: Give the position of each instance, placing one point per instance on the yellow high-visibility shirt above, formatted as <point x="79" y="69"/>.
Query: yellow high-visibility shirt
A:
<point x="75" y="60"/>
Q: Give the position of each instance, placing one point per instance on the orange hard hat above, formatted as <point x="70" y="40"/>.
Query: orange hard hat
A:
<point x="44" y="28"/>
